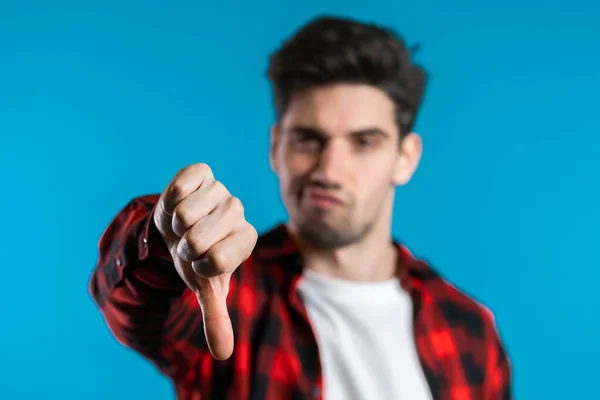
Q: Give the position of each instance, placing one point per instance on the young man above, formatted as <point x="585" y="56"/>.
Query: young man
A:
<point x="327" y="305"/>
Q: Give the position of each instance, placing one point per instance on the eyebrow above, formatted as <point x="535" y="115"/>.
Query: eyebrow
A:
<point x="318" y="133"/>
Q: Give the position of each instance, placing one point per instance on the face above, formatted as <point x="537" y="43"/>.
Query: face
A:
<point x="338" y="157"/>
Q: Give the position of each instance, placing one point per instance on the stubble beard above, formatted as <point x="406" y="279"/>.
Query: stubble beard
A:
<point x="319" y="232"/>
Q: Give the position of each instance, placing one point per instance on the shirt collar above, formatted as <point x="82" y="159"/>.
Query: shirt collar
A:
<point x="277" y="245"/>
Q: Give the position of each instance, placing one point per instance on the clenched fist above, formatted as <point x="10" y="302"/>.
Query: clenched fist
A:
<point x="206" y="232"/>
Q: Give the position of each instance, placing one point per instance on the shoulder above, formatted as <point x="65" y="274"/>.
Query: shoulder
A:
<point x="459" y="310"/>
<point x="462" y="327"/>
<point x="459" y="307"/>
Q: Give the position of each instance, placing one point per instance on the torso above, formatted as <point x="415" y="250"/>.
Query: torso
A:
<point x="366" y="339"/>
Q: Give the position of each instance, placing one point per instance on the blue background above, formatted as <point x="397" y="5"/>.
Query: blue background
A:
<point x="104" y="101"/>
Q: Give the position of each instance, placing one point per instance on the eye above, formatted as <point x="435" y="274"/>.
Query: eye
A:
<point x="306" y="143"/>
<point x="365" y="141"/>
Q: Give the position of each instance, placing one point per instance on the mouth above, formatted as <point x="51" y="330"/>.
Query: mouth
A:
<point x="321" y="199"/>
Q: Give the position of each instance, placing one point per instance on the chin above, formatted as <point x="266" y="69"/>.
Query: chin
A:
<point x="320" y="233"/>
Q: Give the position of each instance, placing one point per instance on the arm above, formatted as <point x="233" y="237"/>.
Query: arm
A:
<point x="194" y="235"/>
<point x="142" y="298"/>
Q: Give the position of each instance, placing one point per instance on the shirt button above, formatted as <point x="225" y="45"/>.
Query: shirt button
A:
<point x="119" y="262"/>
<point x="145" y="242"/>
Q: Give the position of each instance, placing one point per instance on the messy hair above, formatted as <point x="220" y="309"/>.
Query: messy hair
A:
<point x="329" y="50"/>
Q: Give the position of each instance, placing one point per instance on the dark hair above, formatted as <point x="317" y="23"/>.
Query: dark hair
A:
<point x="330" y="50"/>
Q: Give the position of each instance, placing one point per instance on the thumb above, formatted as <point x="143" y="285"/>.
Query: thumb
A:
<point x="212" y="297"/>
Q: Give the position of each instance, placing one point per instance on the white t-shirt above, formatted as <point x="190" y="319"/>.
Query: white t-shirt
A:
<point x="365" y="337"/>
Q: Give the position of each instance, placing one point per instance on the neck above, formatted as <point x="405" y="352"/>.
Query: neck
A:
<point x="372" y="259"/>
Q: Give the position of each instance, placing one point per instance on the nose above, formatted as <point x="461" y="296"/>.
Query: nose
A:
<point x="332" y="162"/>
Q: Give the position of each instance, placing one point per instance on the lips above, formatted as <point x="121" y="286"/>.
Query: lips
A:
<point x="321" y="199"/>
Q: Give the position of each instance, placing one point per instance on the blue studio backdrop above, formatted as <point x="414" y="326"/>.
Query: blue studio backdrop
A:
<point x="104" y="101"/>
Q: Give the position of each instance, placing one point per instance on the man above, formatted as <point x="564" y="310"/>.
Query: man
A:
<point x="327" y="305"/>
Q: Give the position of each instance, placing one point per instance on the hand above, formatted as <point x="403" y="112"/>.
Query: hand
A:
<point x="206" y="232"/>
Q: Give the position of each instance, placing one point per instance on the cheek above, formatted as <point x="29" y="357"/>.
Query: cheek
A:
<point x="297" y="165"/>
<point x="293" y="168"/>
<point x="374" y="180"/>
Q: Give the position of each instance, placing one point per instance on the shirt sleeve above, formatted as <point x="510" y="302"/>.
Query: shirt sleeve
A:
<point x="144" y="303"/>
<point x="498" y="369"/>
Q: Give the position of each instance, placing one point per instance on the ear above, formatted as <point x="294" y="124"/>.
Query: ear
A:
<point x="408" y="159"/>
<point x="273" y="147"/>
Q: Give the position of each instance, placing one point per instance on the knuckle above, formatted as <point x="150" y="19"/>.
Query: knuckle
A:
<point x="187" y="180"/>
<point x="205" y="269"/>
<point x="183" y="250"/>
<point x="162" y="220"/>
<point x="218" y="189"/>
<point x="189" y="249"/>
<point x="253" y="233"/>
<point x="179" y="189"/>
<point x="183" y="216"/>
<point x="203" y="169"/>
<point x="196" y="242"/>
<point x="252" y="236"/>
<point x="220" y="261"/>
<point x="235" y="205"/>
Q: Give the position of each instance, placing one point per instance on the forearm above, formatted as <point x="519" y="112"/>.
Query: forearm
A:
<point x="134" y="305"/>
<point x="140" y="316"/>
<point x="138" y="290"/>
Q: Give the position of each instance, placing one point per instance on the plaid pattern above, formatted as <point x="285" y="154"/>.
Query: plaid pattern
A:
<point x="148" y="309"/>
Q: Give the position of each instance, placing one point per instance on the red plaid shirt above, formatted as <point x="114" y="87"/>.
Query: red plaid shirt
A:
<point x="148" y="308"/>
